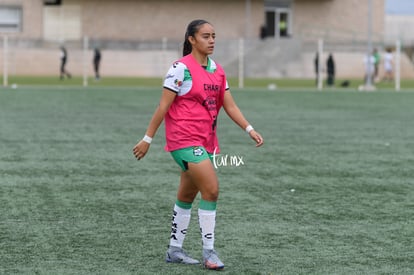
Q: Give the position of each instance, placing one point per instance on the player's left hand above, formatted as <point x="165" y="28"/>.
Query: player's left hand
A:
<point x="141" y="149"/>
<point x="257" y="138"/>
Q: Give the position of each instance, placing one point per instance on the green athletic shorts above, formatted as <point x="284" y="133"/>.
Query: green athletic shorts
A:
<point x="194" y="154"/>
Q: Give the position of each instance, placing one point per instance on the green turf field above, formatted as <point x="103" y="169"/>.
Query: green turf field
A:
<point x="330" y="192"/>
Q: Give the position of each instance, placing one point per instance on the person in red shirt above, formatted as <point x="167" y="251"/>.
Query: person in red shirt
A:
<point x="194" y="91"/>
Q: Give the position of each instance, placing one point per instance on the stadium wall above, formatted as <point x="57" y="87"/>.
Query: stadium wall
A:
<point x="338" y="19"/>
<point x="136" y="19"/>
<point x="152" y="20"/>
<point x="32" y="18"/>
<point x="400" y="27"/>
<point x="131" y="34"/>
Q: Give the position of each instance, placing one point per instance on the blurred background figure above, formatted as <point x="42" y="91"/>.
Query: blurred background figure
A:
<point x="376" y="64"/>
<point x="63" y="60"/>
<point x="316" y="65"/>
<point x="388" y="65"/>
<point x="97" y="62"/>
<point x="283" y="27"/>
<point x="330" y="69"/>
<point x="263" y="32"/>
<point x="369" y="62"/>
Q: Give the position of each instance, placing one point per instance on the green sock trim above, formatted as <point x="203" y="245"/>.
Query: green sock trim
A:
<point x="184" y="205"/>
<point x="208" y="205"/>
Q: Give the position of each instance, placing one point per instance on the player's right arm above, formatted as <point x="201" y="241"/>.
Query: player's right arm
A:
<point x="167" y="98"/>
<point x="173" y="82"/>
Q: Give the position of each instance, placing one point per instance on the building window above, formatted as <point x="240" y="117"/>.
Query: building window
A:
<point x="53" y="2"/>
<point x="10" y="19"/>
<point x="278" y="18"/>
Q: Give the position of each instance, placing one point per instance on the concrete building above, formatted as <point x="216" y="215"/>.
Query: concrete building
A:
<point x="141" y="38"/>
<point x="152" y="20"/>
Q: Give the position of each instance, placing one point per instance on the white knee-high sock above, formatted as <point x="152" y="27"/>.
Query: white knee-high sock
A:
<point x="207" y="220"/>
<point x="180" y="221"/>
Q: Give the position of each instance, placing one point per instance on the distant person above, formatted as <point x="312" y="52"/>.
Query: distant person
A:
<point x="377" y="57"/>
<point x="282" y="28"/>
<point x="263" y="32"/>
<point x="63" y="60"/>
<point x="388" y="65"/>
<point x="369" y="62"/>
<point x="316" y="65"/>
<point x="330" y="69"/>
<point x="97" y="62"/>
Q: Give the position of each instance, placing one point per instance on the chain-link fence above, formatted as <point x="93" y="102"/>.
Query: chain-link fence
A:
<point x="119" y="58"/>
<point x="268" y="58"/>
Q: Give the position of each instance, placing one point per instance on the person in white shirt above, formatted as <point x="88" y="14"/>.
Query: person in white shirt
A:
<point x="388" y="65"/>
<point x="369" y="61"/>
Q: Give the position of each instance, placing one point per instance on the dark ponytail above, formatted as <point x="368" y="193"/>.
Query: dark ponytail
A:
<point x="192" y="28"/>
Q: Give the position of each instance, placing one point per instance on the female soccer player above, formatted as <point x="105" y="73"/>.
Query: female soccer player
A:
<point x="195" y="89"/>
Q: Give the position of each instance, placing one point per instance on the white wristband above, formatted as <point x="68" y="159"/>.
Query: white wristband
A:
<point x="147" y="139"/>
<point x="249" y="128"/>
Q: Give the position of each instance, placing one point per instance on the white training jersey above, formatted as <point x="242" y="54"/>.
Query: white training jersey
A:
<point x="179" y="80"/>
<point x="388" y="58"/>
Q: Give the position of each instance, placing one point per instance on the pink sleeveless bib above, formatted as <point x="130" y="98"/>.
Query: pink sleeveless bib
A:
<point x="192" y="118"/>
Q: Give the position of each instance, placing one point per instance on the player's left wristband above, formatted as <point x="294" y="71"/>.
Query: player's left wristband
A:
<point x="249" y="128"/>
<point x="147" y="139"/>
